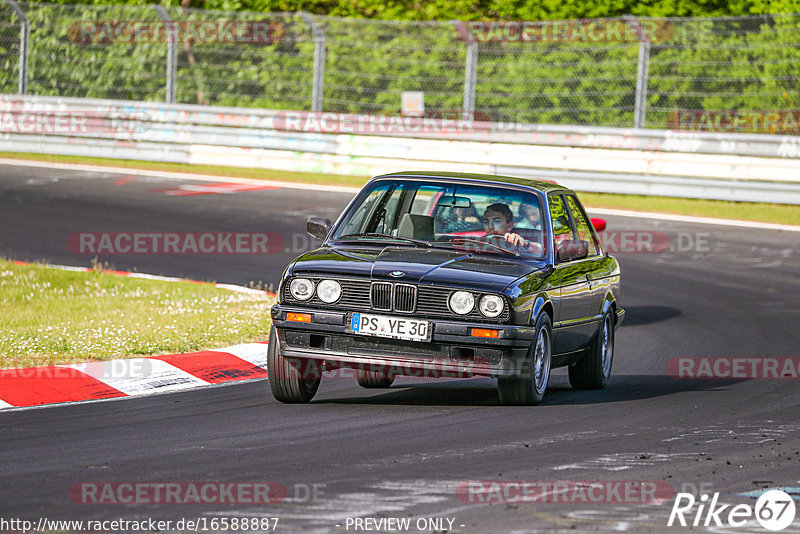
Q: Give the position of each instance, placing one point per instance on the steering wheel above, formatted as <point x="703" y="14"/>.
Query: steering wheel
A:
<point x="538" y="247"/>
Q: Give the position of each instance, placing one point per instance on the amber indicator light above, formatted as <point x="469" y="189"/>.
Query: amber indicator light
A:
<point x="484" y="332"/>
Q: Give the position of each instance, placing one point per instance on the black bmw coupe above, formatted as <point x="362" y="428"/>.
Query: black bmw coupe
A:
<point x="449" y="275"/>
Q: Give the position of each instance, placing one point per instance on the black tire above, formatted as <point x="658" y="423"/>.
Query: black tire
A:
<point x="373" y="379"/>
<point x="286" y="377"/>
<point x="594" y="369"/>
<point x="530" y="386"/>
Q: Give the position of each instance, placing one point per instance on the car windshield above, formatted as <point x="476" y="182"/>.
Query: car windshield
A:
<point x="480" y="219"/>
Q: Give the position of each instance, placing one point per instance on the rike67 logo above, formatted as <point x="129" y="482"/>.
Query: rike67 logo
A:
<point x="774" y="510"/>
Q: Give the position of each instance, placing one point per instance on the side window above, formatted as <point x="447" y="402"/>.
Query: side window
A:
<point x="560" y="218"/>
<point x="582" y="226"/>
<point x="356" y="222"/>
<point x="377" y="213"/>
<point x="387" y="221"/>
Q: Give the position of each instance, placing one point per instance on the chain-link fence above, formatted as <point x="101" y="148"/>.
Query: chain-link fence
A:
<point x="743" y="72"/>
<point x="369" y="63"/>
<point x="13" y="34"/>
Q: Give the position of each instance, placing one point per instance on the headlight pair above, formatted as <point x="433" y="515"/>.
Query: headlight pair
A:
<point x="327" y="290"/>
<point x="462" y="302"/>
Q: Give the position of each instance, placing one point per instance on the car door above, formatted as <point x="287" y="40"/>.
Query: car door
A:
<point x="597" y="265"/>
<point x="572" y="326"/>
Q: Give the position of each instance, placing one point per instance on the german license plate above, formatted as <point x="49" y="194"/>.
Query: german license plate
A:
<point x="392" y="327"/>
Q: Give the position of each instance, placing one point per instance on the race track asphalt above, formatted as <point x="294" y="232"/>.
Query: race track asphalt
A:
<point x="404" y="452"/>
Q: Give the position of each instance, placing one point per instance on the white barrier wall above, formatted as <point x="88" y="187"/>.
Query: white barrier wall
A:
<point x="760" y="168"/>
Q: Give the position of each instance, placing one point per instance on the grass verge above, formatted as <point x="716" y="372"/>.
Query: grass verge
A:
<point x="749" y="211"/>
<point x="51" y="316"/>
<point x="720" y="209"/>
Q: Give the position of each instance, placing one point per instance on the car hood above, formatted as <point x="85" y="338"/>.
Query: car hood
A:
<point x="420" y="266"/>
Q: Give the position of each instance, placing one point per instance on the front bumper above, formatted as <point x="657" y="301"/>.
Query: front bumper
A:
<point x="452" y="351"/>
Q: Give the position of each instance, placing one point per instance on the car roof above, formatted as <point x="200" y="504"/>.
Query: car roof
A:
<point x="540" y="185"/>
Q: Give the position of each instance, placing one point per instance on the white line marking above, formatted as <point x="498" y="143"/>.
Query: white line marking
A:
<point x="62" y="267"/>
<point x="242" y="289"/>
<point x="255" y="353"/>
<point x="139" y="376"/>
<point x="690" y="219"/>
<point x="179" y="175"/>
<point x="156" y="277"/>
<point x="4" y="404"/>
<point x="624" y="460"/>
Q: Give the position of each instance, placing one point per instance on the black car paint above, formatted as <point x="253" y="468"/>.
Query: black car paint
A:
<point x="576" y="294"/>
<point x="424" y="266"/>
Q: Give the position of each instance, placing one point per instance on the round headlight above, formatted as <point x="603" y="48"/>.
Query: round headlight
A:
<point x="301" y="288"/>
<point x="462" y="302"/>
<point x="329" y="291"/>
<point x="491" y="305"/>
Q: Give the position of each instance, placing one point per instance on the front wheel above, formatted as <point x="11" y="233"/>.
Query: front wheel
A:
<point x="529" y="387"/>
<point x="593" y="370"/>
<point x="286" y="377"/>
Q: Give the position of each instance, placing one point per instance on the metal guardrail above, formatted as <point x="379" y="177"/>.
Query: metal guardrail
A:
<point x="741" y="167"/>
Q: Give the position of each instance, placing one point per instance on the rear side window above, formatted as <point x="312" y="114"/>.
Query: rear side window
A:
<point x="560" y="218"/>
<point x="582" y="225"/>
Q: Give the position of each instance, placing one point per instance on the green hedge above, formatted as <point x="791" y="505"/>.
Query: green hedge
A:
<point x="749" y="63"/>
<point x="494" y="9"/>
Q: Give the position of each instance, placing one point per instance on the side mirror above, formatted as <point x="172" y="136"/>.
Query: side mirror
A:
<point x="318" y="227"/>
<point x="599" y="224"/>
<point x="571" y="249"/>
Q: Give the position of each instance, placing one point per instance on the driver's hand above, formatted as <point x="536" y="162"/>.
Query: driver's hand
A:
<point x="515" y="239"/>
<point x="519" y="241"/>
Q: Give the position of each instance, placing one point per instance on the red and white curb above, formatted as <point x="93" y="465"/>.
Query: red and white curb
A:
<point x="132" y="377"/>
<point x="37" y="386"/>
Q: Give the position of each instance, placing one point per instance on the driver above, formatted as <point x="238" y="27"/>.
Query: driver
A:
<point x="498" y="220"/>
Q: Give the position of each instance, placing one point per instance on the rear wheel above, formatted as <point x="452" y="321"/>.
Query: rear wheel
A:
<point x="373" y="379"/>
<point x="593" y="370"/>
<point x="286" y="377"/>
<point x="530" y="386"/>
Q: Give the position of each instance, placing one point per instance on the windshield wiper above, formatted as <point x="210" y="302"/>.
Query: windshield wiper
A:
<point x="480" y="242"/>
<point x="428" y="243"/>
<point x="389" y="236"/>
